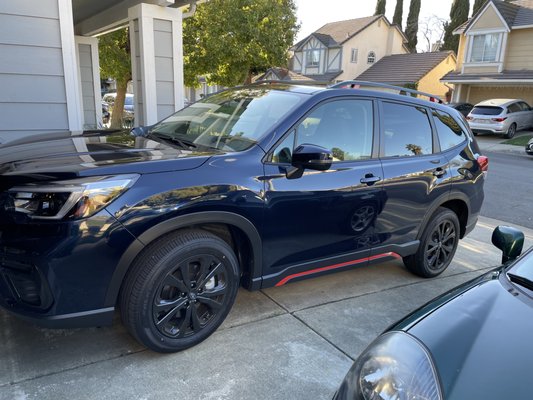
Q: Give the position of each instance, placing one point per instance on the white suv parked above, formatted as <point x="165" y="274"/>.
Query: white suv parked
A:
<point x="500" y="116"/>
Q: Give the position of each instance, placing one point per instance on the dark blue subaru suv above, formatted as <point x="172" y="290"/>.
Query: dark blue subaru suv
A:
<point x="255" y="186"/>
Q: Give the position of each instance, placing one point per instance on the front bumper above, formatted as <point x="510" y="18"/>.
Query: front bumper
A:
<point x="57" y="274"/>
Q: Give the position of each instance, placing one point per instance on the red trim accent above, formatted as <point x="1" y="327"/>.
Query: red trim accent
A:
<point x="335" y="266"/>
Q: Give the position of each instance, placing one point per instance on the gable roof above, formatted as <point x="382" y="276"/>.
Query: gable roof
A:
<point x="515" y="13"/>
<point x="404" y="68"/>
<point x="283" y="74"/>
<point x="336" y="33"/>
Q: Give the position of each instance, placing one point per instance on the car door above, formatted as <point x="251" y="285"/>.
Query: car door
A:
<point x="527" y="115"/>
<point x="323" y="220"/>
<point x="515" y="115"/>
<point x="415" y="175"/>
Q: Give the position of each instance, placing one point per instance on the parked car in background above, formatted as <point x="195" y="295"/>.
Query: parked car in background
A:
<point x="128" y="115"/>
<point x="106" y="115"/>
<point x="473" y="342"/>
<point x="529" y="147"/>
<point x="259" y="185"/>
<point x="463" y="108"/>
<point x="500" y="116"/>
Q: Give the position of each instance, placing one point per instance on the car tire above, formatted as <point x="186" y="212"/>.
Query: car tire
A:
<point x="438" y="244"/>
<point x="511" y="131"/>
<point x="179" y="290"/>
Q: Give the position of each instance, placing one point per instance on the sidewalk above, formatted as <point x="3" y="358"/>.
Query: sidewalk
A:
<point x="492" y="143"/>
<point x="291" y="342"/>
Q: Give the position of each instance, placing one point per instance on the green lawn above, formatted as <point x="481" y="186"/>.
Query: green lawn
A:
<point x="518" y="141"/>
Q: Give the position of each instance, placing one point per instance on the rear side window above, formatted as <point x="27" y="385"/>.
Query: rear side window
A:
<point x="486" y="110"/>
<point x="513" y="108"/>
<point x="406" y="131"/>
<point x="449" y="131"/>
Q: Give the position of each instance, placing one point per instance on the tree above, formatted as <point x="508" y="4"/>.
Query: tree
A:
<point x="411" y="28"/>
<point x="432" y="28"/>
<point x="458" y="15"/>
<point x="380" y="7"/>
<point x="477" y="6"/>
<point x="115" y="62"/>
<point x="228" y="41"/>
<point x="398" y="13"/>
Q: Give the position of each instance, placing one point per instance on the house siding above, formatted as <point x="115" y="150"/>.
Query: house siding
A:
<point x="519" y="50"/>
<point x="489" y="20"/>
<point x="430" y="83"/>
<point x="87" y="86"/>
<point x="31" y="69"/>
<point x="461" y="52"/>
<point x="374" y="38"/>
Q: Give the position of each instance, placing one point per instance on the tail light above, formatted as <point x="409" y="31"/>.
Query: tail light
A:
<point x="483" y="162"/>
<point x="499" y="119"/>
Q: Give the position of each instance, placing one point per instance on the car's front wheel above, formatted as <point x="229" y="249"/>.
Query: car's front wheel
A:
<point x="179" y="290"/>
<point x="438" y="244"/>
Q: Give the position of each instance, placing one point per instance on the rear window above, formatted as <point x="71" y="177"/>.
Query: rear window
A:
<point x="486" y="110"/>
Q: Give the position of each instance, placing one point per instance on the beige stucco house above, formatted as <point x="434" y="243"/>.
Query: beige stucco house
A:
<point x="341" y="50"/>
<point x="421" y="69"/>
<point x="495" y="56"/>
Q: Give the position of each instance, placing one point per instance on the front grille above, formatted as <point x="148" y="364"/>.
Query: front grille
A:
<point x="25" y="285"/>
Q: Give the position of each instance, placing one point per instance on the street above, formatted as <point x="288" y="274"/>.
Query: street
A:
<point x="509" y="188"/>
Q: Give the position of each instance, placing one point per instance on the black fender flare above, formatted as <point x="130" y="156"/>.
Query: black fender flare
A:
<point x="181" y="222"/>
<point x="442" y="199"/>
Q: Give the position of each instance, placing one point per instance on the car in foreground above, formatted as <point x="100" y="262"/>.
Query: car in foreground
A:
<point x="463" y="108"/>
<point x="256" y="186"/>
<point x="472" y="342"/>
<point x="500" y="116"/>
<point x="529" y="147"/>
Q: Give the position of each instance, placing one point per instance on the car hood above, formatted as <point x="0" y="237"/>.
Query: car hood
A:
<point x="480" y="340"/>
<point x="70" y="154"/>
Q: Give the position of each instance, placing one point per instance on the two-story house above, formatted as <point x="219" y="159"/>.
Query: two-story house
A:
<point x="495" y="56"/>
<point x="342" y="50"/>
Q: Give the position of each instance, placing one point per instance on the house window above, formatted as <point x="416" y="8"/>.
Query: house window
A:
<point x="485" y="47"/>
<point x="353" y="57"/>
<point x="371" y="59"/>
<point x="313" y="58"/>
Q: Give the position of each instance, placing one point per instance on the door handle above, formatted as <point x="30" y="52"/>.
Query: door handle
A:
<point x="370" y="179"/>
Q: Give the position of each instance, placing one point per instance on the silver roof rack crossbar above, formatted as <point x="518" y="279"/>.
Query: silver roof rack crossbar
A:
<point x="399" y="89"/>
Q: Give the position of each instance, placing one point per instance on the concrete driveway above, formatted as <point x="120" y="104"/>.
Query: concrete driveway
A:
<point x="292" y="342"/>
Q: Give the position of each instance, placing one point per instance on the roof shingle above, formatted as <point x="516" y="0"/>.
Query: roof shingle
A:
<point x="400" y="69"/>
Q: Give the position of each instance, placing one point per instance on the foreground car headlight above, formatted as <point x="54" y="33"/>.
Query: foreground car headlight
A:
<point x="395" y="367"/>
<point x="79" y="198"/>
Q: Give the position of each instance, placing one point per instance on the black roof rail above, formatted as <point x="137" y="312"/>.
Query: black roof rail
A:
<point x="401" y="90"/>
<point x="295" y="82"/>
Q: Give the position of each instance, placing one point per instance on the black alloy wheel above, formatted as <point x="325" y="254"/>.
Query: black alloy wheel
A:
<point x="179" y="290"/>
<point x="438" y="245"/>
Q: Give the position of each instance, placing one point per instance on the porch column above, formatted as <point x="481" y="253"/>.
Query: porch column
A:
<point x="157" y="61"/>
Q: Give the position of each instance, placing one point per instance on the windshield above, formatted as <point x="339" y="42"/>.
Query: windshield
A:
<point x="128" y="101"/>
<point x="486" y="110"/>
<point x="232" y="120"/>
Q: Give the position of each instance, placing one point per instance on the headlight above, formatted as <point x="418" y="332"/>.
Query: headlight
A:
<point x="72" y="199"/>
<point x="395" y="367"/>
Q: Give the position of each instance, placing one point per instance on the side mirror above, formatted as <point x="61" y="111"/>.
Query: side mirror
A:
<point x="140" y="130"/>
<point x="509" y="240"/>
<point x="308" y="156"/>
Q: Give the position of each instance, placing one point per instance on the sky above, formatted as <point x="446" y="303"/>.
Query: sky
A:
<point x="313" y="14"/>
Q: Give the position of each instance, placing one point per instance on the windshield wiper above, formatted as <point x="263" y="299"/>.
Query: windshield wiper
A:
<point x="186" y="144"/>
<point x="520" y="280"/>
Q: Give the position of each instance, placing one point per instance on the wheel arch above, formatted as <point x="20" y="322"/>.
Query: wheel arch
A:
<point x="458" y="202"/>
<point x="239" y="227"/>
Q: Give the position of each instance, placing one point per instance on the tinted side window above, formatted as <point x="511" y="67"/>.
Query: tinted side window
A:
<point x="407" y="131"/>
<point x="513" y="108"/>
<point x="524" y="106"/>
<point x="449" y="131"/>
<point x="345" y="127"/>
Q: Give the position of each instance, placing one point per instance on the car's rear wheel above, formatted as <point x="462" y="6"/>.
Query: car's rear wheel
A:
<point x="437" y="245"/>
<point x="179" y="290"/>
<point x="511" y="131"/>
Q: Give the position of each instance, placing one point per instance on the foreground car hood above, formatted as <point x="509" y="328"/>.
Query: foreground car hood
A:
<point x="68" y="154"/>
<point x="481" y="341"/>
